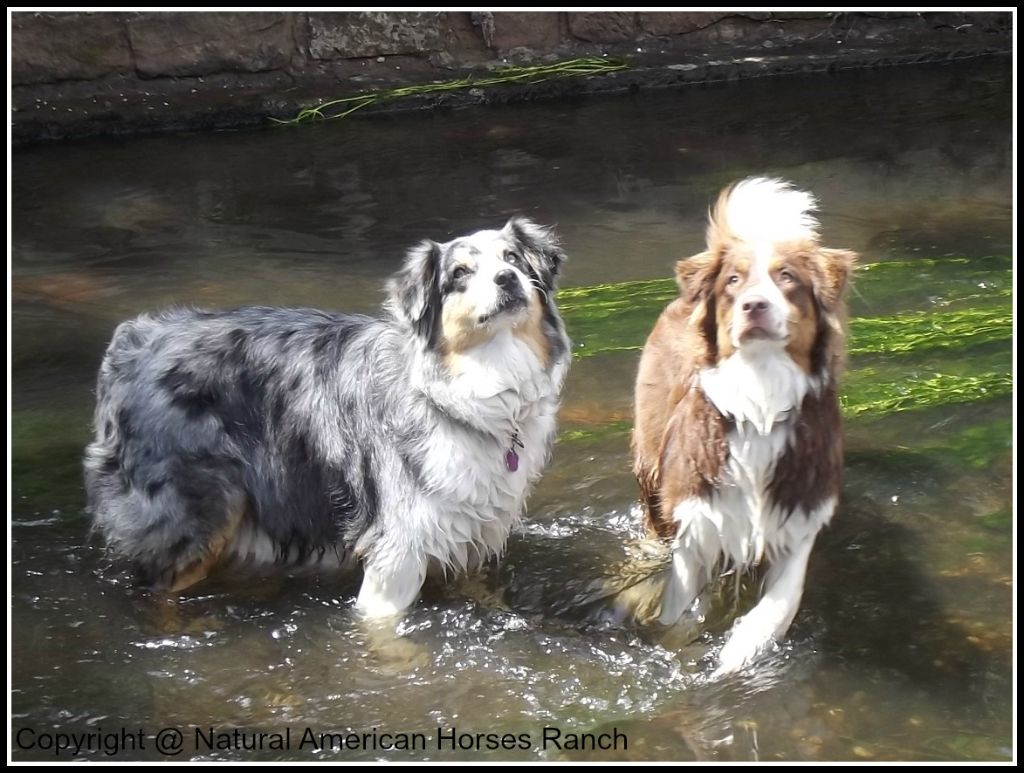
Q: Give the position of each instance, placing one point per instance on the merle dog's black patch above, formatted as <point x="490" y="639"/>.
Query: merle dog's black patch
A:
<point x="308" y="423"/>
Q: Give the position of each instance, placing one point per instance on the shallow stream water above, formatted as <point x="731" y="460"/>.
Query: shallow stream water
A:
<point x="903" y="646"/>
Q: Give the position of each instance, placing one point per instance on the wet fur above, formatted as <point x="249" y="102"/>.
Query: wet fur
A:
<point x="297" y="437"/>
<point x="737" y="442"/>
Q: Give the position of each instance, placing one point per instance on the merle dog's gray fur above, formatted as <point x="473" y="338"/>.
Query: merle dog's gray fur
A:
<point x="310" y="422"/>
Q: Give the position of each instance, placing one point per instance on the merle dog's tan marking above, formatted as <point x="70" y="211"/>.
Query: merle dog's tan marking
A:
<point x="298" y="437"/>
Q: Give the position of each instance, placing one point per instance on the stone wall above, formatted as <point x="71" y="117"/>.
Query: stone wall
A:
<point x="78" y="74"/>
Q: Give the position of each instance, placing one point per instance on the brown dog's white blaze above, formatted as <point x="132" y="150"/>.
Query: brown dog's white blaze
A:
<point x="737" y="441"/>
<point x="744" y="309"/>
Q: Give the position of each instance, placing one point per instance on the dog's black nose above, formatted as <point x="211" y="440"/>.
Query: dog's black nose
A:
<point x="506" y="279"/>
<point x="755" y="305"/>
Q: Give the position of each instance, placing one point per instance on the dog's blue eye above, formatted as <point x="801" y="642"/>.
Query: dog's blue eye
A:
<point x="787" y="276"/>
<point x="512" y="257"/>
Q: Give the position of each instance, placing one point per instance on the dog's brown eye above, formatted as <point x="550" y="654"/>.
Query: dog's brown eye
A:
<point x="458" y="272"/>
<point x="512" y="257"/>
<point x="734" y="279"/>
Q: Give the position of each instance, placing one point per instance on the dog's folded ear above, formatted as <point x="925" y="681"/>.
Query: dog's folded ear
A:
<point x="832" y="269"/>
<point x="414" y="293"/>
<point x="696" y="276"/>
<point x="540" y="248"/>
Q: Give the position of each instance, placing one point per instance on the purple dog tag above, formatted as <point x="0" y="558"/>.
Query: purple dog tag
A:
<point x="511" y="460"/>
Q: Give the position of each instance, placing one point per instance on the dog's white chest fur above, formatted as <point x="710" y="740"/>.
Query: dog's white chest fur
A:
<point x="739" y="523"/>
<point x="760" y="391"/>
<point x="509" y="394"/>
<point x="758" y="385"/>
<point x="470" y="499"/>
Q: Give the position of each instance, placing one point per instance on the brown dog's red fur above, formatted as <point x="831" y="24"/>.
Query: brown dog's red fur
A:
<point x="679" y="440"/>
<point x="763" y="306"/>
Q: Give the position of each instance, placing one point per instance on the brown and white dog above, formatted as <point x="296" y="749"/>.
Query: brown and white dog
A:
<point x="738" y="436"/>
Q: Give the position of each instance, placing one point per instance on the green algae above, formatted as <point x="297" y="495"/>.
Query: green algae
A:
<point x="969" y="303"/>
<point x="957" y="350"/>
<point x="340" y="108"/>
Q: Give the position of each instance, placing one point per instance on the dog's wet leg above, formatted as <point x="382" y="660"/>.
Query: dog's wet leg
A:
<point x="770" y="619"/>
<point x="389" y="588"/>
<point x="684" y="584"/>
<point x="197" y="569"/>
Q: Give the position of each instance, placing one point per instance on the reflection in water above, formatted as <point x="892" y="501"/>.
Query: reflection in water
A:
<point x="902" y="649"/>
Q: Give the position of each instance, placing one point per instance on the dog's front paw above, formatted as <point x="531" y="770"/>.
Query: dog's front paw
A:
<point x="745" y="643"/>
<point x="375" y="608"/>
<point x="390" y="587"/>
